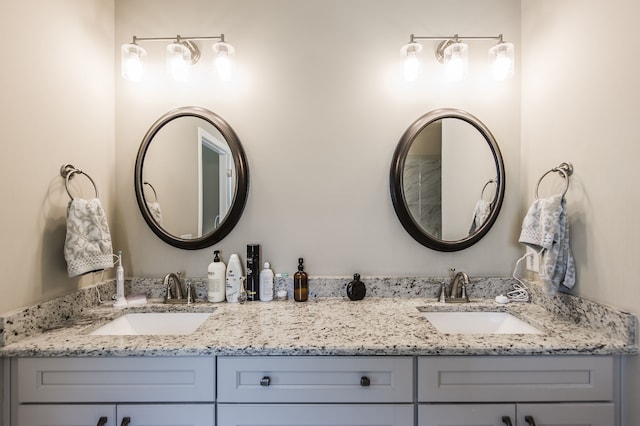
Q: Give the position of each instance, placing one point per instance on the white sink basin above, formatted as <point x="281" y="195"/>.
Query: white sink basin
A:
<point x="154" y="323"/>
<point x="479" y="323"/>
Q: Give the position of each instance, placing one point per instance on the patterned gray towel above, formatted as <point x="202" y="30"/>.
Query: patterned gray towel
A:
<point x="87" y="247"/>
<point x="545" y="229"/>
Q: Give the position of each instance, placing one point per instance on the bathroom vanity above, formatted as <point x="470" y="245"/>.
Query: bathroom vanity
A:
<point x="324" y="362"/>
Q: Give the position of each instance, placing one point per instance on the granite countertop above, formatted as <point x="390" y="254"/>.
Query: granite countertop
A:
<point x="326" y="326"/>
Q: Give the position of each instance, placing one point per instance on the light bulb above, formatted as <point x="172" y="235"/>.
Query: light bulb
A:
<point x="223" y="60"/>
<point x="411" y="67"/>
<point x="503" y="61"/>
<point x="456" y="61"/>
<point x="132" y="60"/>
<point x="178" y="61"/>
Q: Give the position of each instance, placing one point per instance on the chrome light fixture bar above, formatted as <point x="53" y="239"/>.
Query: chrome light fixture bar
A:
<point x="453" y="53"/>
<point x="182" y="53"/>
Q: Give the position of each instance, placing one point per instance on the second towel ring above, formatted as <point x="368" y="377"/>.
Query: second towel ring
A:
<point x="155" y="194"/>
<point x="67" y="171"/>
<point x="489" y="182"/>
<point x="565" y="170"/>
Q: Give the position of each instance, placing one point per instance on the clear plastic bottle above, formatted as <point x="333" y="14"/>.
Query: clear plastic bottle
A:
<point x="300" y="283"/>
<point x="234" y="277"/>
<point x="266" y="283"/>
<point x="216" y="278"/>
<point x="120" y="299"/>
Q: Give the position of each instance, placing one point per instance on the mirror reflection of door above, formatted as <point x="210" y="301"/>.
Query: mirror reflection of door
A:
<point x="446" y="167"/>
<point x="215" y="181"/>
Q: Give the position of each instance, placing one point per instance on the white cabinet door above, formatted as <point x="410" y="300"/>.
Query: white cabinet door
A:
<point x="573" y="414"/>
<point x="167" y="415"/>
<point x="314" y="414"/>
<point x="66" y="415"/>
<point x="467" y="415"/>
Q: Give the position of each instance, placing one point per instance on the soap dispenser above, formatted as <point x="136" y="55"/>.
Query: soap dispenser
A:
<point x="216" y="279"/>
<point x="300" y="283"/>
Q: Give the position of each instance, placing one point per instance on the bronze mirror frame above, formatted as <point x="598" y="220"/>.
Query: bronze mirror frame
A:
<point x="241" y="186"/>
<point x="397" y="187"/>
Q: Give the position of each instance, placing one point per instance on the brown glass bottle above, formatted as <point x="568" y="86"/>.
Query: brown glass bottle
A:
<point x="300" y="283"/>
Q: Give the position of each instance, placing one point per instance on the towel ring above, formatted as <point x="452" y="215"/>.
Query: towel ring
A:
<point x="489" y="182"/>
<point x="565" y="170"/>
<point x="67" y="171"/>
<point x="155" y="194"/>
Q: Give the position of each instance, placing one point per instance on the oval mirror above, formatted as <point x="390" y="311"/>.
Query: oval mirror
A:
<point x="447" y="180"/>
<point x="191" y="178"/>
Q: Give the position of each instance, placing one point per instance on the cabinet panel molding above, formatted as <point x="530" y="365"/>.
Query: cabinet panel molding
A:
<point x="314" y="415"/>
<point x="315" y="379"/>
<point x="511" y="379"/>
<point x="134" y="379"/>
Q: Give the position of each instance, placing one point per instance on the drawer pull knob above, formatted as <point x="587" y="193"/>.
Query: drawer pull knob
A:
<point x="102" y="421"/>
<point x="507" y="420"/>
<point x="529" y="420"/>
<point x="125" y="421"/>
<point x="265" y="381"/>
<point x="364" y="381"/>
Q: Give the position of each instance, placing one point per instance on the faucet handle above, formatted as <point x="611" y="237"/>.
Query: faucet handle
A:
<point x="443" y="292"/>
<point x="190" y="292"/>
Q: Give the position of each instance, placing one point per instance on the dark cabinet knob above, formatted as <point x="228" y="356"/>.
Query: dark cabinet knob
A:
<point x="102" y="421"/>
<point x="125" y="421"/>
<point x="529" y="420"/>
<point x="265" y="381"/>
<point x="507" y="420"/>
<point x="365" y="381"/>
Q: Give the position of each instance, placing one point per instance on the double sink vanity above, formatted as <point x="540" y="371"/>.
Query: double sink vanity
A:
<point x="380" y="361"/>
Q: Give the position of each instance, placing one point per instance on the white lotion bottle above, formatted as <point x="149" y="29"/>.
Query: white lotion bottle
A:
<point x="234" y="276"/>
<point x="266" y="283"/>
<point x="216" y="278"/>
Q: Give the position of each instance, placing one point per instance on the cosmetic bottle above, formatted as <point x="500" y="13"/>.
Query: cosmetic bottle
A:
<point x="216" y="277"/>
<point x="300" y="283"/>
<point x="252" y="283"/>
<point x="266" y="283"/>
<point x="234" y="277"/>
<point x="120" y="299"/>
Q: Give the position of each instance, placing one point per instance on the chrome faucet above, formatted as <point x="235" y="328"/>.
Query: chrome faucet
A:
<point x="173" y="286"/>
<point x="459" y="288"/>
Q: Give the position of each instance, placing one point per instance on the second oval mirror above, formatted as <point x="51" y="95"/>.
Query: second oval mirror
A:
<point x="191" y="178"/>
<point x="447" y="180"/>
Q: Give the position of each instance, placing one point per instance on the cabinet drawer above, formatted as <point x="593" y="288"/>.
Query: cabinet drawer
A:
<point x="532" y="378"/>
<point x="149" y="379"/>
<point x="315" y="379"/>
<point x="314" y="415"/>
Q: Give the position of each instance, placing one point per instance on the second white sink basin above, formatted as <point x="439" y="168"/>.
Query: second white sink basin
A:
<point x="479" y="323"/>
<point x="154" y="323"/>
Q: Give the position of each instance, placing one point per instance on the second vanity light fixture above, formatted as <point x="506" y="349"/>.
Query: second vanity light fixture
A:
<point x="453" y="53"/>
<point x="182" y="53"/>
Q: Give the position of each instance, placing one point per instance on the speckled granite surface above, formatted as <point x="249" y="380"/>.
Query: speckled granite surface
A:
<point x="390" y="325"/>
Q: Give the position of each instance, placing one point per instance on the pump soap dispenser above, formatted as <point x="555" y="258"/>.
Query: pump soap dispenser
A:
<point x="300" y="283"/>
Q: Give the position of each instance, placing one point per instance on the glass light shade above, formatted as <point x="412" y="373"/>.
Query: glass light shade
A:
<point x="132" y="62"/>
<point x="456" y="60"/>
<point x="411" y="67"/>
<point x="502" y="55"/>
<point x="223" y="60"/>
<point x="179" y="61"/>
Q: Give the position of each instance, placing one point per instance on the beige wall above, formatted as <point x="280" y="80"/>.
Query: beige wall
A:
<point x="319" y="107"/>
<point x="56" y="106"/>
<point x="581" y="103"/>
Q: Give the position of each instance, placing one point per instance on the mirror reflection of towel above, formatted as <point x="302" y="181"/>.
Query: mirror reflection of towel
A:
<point x="156" y="213"/>
<point x="87" y="246"/>
<point x="480" y="215"/>
<point x="545" y="229"/>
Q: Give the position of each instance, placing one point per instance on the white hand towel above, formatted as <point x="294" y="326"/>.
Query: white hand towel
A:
<point x="545" y="229"/>
<point x="480" y="215"/>
<point x="156" y="212"/>
<point x="87" y="246"/>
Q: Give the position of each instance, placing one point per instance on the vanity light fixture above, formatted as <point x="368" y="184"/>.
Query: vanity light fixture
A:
<point x="182" y="54"/>
<point x="453" y="53"/>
